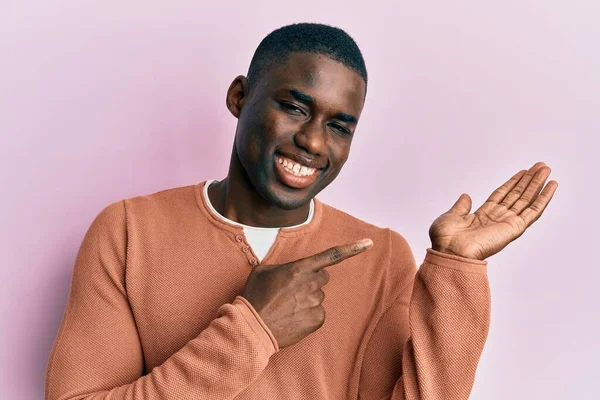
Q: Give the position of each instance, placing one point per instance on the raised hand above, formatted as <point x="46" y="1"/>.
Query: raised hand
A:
<point x="289" y="297"/>
<point x="505" y="215"/>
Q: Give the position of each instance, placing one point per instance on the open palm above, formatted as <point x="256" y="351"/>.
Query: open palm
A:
<point x="504" y="216"/>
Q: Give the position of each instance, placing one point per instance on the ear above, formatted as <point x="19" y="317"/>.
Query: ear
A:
<point x="236" y="95"/>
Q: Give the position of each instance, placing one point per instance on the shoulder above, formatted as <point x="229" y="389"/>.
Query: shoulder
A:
<point x="341" y="221"/>
<point x="345" y="224"/>
<point x="111" y="217"/>
<point x="169" y="199"/>
<point x="164" y="207"/>
<point x="391" y="251"/>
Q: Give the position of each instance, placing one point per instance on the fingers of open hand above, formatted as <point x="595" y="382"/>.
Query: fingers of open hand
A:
<point x="518" y="203"/>
<point x="520" y="189"/>
<point x="499" y="194"/>
<point x="514" y="186"/>
<point x="518" y="192"/>
<point x="535" y="210"/>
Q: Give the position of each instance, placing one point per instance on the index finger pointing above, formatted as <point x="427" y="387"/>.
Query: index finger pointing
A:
<point x="337" y="254"/>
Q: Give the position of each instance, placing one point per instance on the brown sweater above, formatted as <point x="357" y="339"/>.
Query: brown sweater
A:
<point x="154" y="312"/>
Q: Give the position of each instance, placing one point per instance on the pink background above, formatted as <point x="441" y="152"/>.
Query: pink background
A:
<point x="103" y="102"/>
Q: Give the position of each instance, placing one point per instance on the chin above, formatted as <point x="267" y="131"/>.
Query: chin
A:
<point x="286" y="201"/>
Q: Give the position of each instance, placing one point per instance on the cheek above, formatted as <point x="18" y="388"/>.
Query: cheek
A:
<point x="276" y="124"/>
<point x="251" y="128"/>
<point x="261" y="132"/>
<point x="258" y="121"/>
<point x="339" y="153"/>
<point x="270" y="129"/>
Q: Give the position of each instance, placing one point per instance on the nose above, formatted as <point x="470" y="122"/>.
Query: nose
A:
<point x="311" y="137"/>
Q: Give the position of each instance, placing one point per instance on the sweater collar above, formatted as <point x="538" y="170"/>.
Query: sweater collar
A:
<point x="220" y="223"/>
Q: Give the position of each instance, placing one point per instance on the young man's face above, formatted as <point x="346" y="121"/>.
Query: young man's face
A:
<point x="302" y="112"/>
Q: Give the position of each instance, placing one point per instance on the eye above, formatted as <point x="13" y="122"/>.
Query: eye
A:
<point x="340" y="128"/>
<point x="292" y="108"/>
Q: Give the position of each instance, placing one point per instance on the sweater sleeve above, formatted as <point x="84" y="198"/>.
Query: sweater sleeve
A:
<point x="427" y="344"/>
<point x="97" y="353"/>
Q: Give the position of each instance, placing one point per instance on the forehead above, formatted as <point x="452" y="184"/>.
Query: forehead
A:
<point x="326" y="80"/>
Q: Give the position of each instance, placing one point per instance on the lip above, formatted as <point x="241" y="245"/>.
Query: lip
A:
<point x="291" y="180"/>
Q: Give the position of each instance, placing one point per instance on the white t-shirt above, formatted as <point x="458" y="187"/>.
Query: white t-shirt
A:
<point x="260" y="239"/>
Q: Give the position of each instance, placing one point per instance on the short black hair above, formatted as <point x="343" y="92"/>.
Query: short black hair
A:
<point x="330" y="41"/>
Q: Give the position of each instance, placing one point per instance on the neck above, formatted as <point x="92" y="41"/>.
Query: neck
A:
<point x="236" y="198"/>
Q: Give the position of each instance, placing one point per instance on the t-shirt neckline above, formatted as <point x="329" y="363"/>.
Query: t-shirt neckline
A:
<point x="255" y="228"/>
<point x="237" y="228"/>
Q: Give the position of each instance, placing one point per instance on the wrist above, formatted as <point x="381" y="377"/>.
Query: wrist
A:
<point x="444" y="250"/>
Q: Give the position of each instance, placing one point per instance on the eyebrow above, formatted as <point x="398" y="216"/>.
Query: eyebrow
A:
<point x="306" y="99"/>
<point x="301" y="96"/>
<point x="342" y="116"/>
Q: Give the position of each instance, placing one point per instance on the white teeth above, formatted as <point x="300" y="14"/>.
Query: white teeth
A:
<point x="295" y="168"/>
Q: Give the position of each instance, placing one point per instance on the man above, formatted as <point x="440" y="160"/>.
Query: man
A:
<point x="228" y="289"/>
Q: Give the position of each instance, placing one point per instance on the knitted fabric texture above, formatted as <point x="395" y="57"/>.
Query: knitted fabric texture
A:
<point x="155" y="312"/>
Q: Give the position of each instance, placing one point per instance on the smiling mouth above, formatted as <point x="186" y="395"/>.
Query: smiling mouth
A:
<point x="295" y="168"/>
<point x="293" y="174"/>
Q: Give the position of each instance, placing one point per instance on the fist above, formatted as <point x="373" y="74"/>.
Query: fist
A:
<point x="289" y="297"/>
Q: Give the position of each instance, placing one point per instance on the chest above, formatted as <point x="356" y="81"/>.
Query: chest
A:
<point x="176" y="287"/>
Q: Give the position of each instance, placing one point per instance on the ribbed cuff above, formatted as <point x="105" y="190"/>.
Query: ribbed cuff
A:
<point x="256" y="323"/>
<point x="455" y="262"/>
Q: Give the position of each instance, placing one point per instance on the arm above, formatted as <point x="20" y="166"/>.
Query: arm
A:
<point x="450" y="303"/>
<point x="97" y="353"/>
<point x="427" y="344"/>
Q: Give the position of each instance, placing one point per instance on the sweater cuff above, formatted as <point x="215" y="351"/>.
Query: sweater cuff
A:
<point x="256" y="323"/>
<point x="455" y="262"/>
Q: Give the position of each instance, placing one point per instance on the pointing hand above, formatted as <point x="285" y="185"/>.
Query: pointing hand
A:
<point x="289" y="297"/>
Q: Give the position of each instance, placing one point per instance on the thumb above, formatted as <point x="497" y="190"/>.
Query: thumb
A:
<point x="462" y="206"/>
